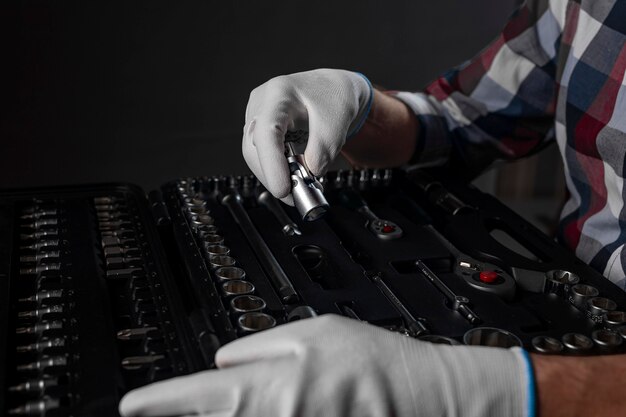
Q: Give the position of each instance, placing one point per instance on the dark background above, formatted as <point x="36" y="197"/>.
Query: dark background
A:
<point x="145" y="92"/>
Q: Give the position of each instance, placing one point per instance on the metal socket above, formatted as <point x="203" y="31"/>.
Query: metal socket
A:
<point x="195" y="202"/>
<point x="580" y="293"/>
<point x="206" y="229"/>
<point x="237" y="287"/>
<point x="213" y="239"/>
<point x="607" y="340"/>
<point x="254" y="322"/>
<point x="247" y="304"/>
<point x="597" y="307"/>
<point x="201" y="220"/>
<point x="614" y="319"/>
<point x="229" y="273"/>
<point x="577" y="343"/>
<point x="559" y="282"/>
<point x="547" y="344"/>
<point x="438" y="339"/>
<point x="217" y="261"/>
<point x="217" y="249"/>
<point x="491" y="336"/>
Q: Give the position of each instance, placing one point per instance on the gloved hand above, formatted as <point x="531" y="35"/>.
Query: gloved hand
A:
<point x="336" y="367"/>
<point x="330" y="104"/>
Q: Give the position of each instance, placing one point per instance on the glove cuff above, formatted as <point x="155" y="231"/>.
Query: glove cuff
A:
<point x="359" y="121"/>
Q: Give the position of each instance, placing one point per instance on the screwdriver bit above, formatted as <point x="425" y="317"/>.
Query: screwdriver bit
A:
<point x="42" y="295"/>
<point x="135" y="333"/>
<point x="39" y="256"/>
<point x="57" y="342"/>
<point x="40" y="312"/>
<point x="34" y="385"/>
<point x="40" y="327"/>
<point x="43" y="364"/>
<point x="40" y="244"/>
<point x="36" y="407"/>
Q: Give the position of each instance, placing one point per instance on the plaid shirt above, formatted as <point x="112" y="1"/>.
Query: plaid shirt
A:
<point x="557" y="71"/>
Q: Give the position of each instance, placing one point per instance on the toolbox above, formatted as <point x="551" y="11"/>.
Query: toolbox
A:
<point x="104" y="288"/>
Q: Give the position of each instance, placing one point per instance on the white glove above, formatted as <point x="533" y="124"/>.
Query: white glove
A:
<point x="336" y="367"/>
<point x="330" y="104"/>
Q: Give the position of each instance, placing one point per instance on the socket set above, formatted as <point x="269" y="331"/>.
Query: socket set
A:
<point x="104" y="288"/>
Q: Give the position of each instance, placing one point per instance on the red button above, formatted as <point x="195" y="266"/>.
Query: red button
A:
<point x="488" y="277"/>
<point x="388" y="229"/>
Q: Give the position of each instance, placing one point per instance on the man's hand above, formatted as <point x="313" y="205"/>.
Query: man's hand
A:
<point x="336" y="367"/>
<point x="329" y="104"/>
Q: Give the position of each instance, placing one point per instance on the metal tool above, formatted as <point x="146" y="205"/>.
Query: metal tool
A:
<point x="255" y="321"/>
<point x="559" y="282"/>
<point x="614" y="319"/>
<point x="138" y="362"/>
<point x="42" y="296"/>
<point x="305" y="189"/>
<point x="40" y="213"/>
<point x="580" y="293"/>
<point x="382" y="229"/>
<point x="40" y="328"/>
<point x="40" y="268"/>
<point x="52" y="362"/>
<point x="135" y="333"/>
<point x="40" y="256"/>
<point x="440" y="340"/>
<point x="547" y="344"/>
<point x="491" y="336"/>
<point x="40" y="312"/>
<point x="577" y="343"/>
<point x="40" y="235"/>
<point x="38" y="245"/>
<point x="414" y="326"/>
<point x="247" y="304"/>
<point x="606" y="340"/>
<point x="597" y="307"/>
<point x="458" y="303"/>
<point x="57" y="342"/>
<point x="37" y="224"/>
<point x="36" y="407"/>
<point x="237" y="287"/>
<point x="277" y="276"/>
<point x="227" y="273"/>
<point x="35" y="386"/>
<point x="288" y="227"/>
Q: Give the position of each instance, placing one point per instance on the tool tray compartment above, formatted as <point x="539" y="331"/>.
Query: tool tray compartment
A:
<point x="104" y="288"/>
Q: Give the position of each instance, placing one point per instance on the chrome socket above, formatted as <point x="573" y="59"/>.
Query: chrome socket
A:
<point x="607" y="340"/>
<point x="580" y="293"/>
<point x="217" y="250"/>
<point x="491" y="336"/>
<point x="547" y="344"/>
<point x="559" y="282"/>
<point x="577" y="343"/>
<point x="216" y="261"/>
<point x="597" y="307"/>
<point x="213" y="239"/>
<point x="439" y="340"/>
<point x="237" y="287"/>
<point x="614" y="319"/>
<point x="229" y="273"/>
<point x="247" y="304"/>
<point x="255" y="322"/>
<point x="305" y="189"/>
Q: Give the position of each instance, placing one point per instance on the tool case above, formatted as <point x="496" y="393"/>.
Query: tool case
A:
<point x="104" y="288"/>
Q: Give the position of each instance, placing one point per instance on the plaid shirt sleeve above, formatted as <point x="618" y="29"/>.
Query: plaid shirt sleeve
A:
<point x="498" y="105"/>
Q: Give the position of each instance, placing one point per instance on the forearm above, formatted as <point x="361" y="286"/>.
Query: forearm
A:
<point x="388" y="136"/>
<point x="577" y="386"/>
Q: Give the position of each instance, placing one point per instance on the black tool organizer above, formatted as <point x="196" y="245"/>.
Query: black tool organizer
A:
<point x="104" y="289"/>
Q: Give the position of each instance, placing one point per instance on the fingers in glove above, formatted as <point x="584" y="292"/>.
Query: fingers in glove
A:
<point x="326" y="138"/>
<point x="211" y="393"/>
<point x="279" y="342"/>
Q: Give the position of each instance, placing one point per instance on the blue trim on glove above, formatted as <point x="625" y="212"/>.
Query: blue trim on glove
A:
<point x="367" y="109"/>
<point x="532" y="400"/>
